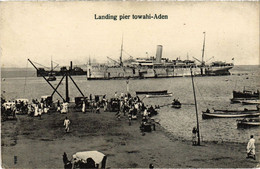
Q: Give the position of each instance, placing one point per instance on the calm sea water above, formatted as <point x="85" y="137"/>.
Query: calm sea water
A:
<point x="210" y="91"/>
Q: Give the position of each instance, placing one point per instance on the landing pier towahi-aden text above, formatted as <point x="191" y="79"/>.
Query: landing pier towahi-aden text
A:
<point x="133" y="16"/>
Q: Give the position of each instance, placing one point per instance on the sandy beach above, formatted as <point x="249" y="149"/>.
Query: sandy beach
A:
<point x="40" y="143"/>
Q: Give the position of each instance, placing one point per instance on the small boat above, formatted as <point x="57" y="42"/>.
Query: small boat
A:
<point x="176" y="104"/>
<point x="151" y="92"/>
<point x="236" y="100"/>
<point x="221" y="114"/>
<point x="159" y="95"/>
<point x="51" y="77"/>
<point x="246" y="123"/>
<point x="246" y="94"/>
<point x="251" y="102"/>
<point x="237" y="111"/>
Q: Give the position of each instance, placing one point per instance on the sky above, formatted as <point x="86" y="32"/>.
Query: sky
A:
<point x="68" y="31"/>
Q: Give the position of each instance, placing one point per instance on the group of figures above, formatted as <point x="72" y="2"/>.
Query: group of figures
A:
<point x="123" y="105"/>
<point x="22" y="106"/>
<point x="35" y="108"/>
<point x="134" y="108"/>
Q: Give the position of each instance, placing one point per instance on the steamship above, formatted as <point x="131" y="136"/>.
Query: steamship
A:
<point x="156" y="67"/>
<point x="142" y="68"/>
<point x="74" y="71"/>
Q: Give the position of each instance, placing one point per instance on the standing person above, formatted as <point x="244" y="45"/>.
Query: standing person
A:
<point x="118" y="114"/>
<point x="64" y="107"/>
<point x="83" y="106"/>
<point x="194" y="136"/>
<point x="45" y="108"/>
<point x="58" y="106"/>
<point x="66" y="124"/>
<point x="36" y="109"/>
<point x="40" y="110"/>
<point x="251" y="147"/>
<point x="145" y="112"/>
<point x="98" y="108"/>
<point x="105" y="105"/>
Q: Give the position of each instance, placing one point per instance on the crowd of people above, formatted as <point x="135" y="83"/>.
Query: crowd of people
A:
<point x="123" y="105"/>
<point x="35" y="108"/>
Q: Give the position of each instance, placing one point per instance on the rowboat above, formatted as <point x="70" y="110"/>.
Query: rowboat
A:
<point x="158" y="95"/>
<point x="236" y="100"/>
<point x="246" y="123"/>
<point x="246" y="94"/>
<point x="208" y="115"/>
<point x="251" y="102"/>
<point x="151" y="92"/>
<point x="237" y="111"/>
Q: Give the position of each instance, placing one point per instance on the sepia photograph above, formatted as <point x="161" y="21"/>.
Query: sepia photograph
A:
<point x="130" y="84"/>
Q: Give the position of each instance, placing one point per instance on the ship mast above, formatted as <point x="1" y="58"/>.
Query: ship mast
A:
<point x="120" y="59"/>
<point x="203" y="63"/>
<point x="51" y="65"/>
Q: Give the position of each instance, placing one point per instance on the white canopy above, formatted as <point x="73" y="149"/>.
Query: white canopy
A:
<point x="95" y="155"/>
<point x="45" y="97"/>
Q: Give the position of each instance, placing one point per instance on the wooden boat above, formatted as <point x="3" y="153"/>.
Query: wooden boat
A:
<point x="246" y="94"/>
<point x="159" y="95"/>
<point x="246" y="123"/>
<point x="251" y="102"/>
<point x="236" y="100"/>
<point x="151" y="92"/>
<point x="51" y="77"/>
<point x="176" y="104"/>
<point x="237" y="111"/>
<point x="245" y="113"/>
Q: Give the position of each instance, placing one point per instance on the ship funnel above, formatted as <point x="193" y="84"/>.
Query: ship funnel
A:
<point x="70" y="65"/>
<point x="159" y="53"/>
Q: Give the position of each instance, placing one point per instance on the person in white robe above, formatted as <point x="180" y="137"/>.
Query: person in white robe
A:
<point x="64" y="107"/>
<point x="36" y="109"/>
<point x="66" y="124"/>
<point x="83" y="107"/>
<point x="251" y="147"/>
<point x="45" y="110"/>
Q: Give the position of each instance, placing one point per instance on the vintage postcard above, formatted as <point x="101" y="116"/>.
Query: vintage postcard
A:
<point x="129" y="84"/>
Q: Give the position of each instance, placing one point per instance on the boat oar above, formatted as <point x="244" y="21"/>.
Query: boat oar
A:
<point x="165" y="105"/>
<point x="188" y="104"/>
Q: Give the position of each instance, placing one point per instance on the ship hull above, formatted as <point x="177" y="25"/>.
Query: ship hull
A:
<point x="218" y="71"/>
<point x="59" y="73"/>
<point x="107" y="73"/>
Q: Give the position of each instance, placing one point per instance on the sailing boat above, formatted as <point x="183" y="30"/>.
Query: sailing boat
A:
<point x="51" y="74"/>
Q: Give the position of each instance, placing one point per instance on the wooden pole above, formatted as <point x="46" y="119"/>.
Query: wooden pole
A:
<point x="46" y="80"/>
<point x="198" y="129"/>
<point x="67" y="88"/>
<point x="127" y="86"/>
<point x="57" y="86"/>
<point x="77" y="86"/>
